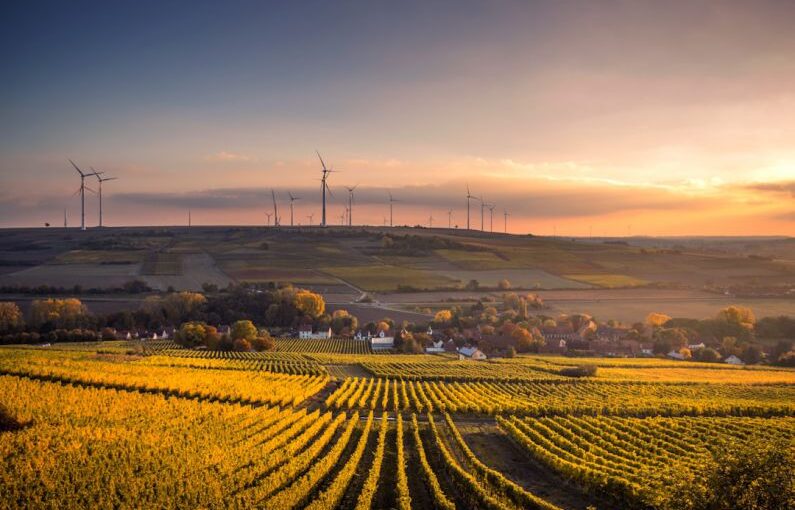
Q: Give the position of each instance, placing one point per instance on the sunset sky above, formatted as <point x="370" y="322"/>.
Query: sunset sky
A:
<point x="611" y="117"/>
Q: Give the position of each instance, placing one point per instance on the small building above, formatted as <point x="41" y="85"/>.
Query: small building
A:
<point x="695" y="347"/>
<point x="449" y="346"/>
<point x="676" y="355"/>
<point x="305" y="332"/>
<point x="382" y="340"/>
<point x="734" y="360"/>
<point x="473" y="353"/>
<point x="436" y="346"/>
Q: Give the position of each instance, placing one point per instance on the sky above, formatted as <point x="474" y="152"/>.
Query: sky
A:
<point x="575" y="118"/>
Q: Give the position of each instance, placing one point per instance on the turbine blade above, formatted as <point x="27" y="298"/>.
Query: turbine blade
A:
<point x="76" y="168"/>
<point x="321" y="160"/>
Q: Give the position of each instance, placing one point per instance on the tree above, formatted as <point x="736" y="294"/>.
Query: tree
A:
<point x="309" y="303"/>
<point x="706" y="355"/>
<point x="343" y="323"/>
<point x="382" y="326"/>
<point x="743" y="476"/>
<point x="657" y="320"/>
<point x="525" y="341"/>
<point x="241" y="345"/>
<point x="510" y="352"/>
<point x="244" y="329"/>
<point x="669" y="339"/>
<point x="443" y="317"/>
<point x="752" y="354"/>
<point x="504" y="284"/>
<point x="472" y="285"/>
<point x="191" y="334"/>
<point x="66" y="313"/>
<point x="10" y="317"/>
<point x="263" y="342"/>
<point x="739" y="315"/>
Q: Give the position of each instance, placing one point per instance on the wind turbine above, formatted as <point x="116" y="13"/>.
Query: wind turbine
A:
<point x="505" y="214"/>
<point x="391" y="201"/>
<point x="449" y="218"/>
<point x="350" y="204"/>
<point x="82" y="191"/>
<point x="275" y="209"/>
<point x="491" y="216"/>
<point x="292" y="199"/>
<point x="268" y="214"/>
<point x="430" y="221"/>
<point x="469" y="197"/>
<point x="64" y="219"/>
<point x="342" y="217"/>
<point x="324" y="186"/>
<point x="312" y="215"/>
<point x="100" y="180"/>
<point x="482" y="207"/>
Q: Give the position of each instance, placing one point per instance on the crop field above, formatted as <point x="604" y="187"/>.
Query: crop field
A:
<point x="384" y="277"/>
<point x="320" y="424"/>
<point x="608" y="280"/>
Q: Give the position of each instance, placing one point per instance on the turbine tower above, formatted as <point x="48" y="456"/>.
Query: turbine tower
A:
<point x="310" y="216"/>
<point x="391" y="201"/>
<point x="275" y="209"/>
<point x="449" y="218"/>
<point x="505" y="214"/>
<point x="491" y="216"/>
<point x="82" y="191"/>
<point x="292" y="199"/>
<point x="350" y="204"/>
<point x="324" y="187"/>
<point x="469" y="197"/>
<point x="269" y="217"/>
<point x="482" y="208"/>
<point x="100" y="180"/>
<point x="430" y="221"/>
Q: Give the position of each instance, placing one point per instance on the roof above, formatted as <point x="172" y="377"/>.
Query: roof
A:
<point x="305" y="327"/>
<point x="468" y="351"/>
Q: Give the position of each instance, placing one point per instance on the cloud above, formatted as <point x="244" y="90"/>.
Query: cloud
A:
<point x="786" y="187"/>
<point x="224" y="156"/>
<point x="533" y="198"/>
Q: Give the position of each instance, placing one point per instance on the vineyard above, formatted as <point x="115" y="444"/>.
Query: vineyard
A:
<point x="115" y="425"/>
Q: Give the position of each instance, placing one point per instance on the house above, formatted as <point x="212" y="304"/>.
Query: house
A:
<point x="305" y="332"/>
<point x="676" y="355"/>
<point x="449" y="346"/>
<point x="556" y="333"/>
<point x="224" y="330"/>
<point x="734" y="360"/>
<point x="554" y="347"/>
<point x="611" y="334"/>
<point x="695" y="347"/>
<point x="437" y="346"/>
<point x="470" y="353"/>
<point x="382" y="340"/>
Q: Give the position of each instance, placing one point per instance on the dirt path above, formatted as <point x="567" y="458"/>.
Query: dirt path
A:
<point x="498" y="451"/>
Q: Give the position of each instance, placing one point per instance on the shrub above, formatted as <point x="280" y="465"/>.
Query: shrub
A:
<point x="7" y="420"/>
<point x="579" y="371"/>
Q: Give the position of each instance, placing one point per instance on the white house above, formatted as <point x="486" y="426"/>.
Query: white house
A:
<point x="305" y="333"/>
<point x="470" y="353"/>
<point x="382" y="341"/>
<point x="675" y="355"/>
<point x="437" y="346"/>
<point x="734" y="360"/>
<point x="695" y="347"/>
